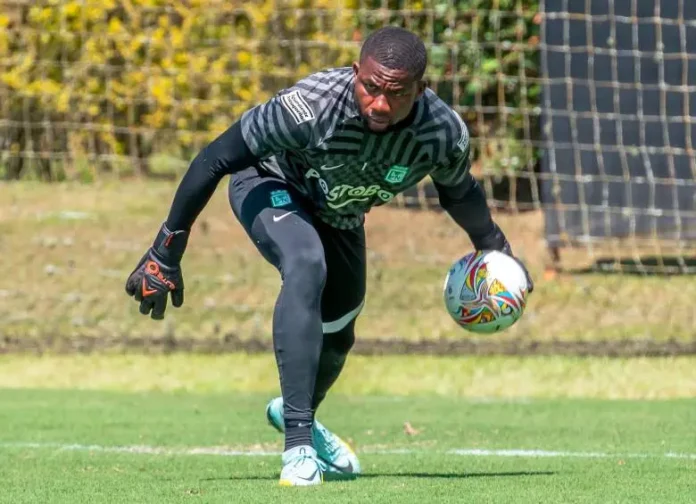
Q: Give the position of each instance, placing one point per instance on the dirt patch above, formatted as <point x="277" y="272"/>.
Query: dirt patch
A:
<point x="66" y="256"/>
<point x="232" y="343"/>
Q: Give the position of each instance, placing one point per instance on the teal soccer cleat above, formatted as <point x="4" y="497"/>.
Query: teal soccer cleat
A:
<point x="340" y="461"/>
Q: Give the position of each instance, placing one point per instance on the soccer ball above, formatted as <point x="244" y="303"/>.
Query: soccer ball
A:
<point x="486" y="291"/>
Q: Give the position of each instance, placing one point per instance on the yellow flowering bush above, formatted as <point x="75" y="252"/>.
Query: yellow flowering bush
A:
<point x="113" y="82"/>
<point x="92" y="86"/>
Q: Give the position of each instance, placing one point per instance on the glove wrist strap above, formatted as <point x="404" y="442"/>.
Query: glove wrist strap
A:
<point x="170" y="245"/>
<point x="495" y="240"/>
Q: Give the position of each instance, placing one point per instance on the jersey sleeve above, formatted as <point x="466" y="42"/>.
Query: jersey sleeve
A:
<point x="454" y="169"/>
<point x="285" y="122"/>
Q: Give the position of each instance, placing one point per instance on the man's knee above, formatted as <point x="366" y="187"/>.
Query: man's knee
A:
<point x="305" y="266"/>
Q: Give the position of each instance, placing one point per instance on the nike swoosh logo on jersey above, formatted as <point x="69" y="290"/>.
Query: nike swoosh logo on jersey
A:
<point x="277" y="218"/>
<point x="327" y="168"/>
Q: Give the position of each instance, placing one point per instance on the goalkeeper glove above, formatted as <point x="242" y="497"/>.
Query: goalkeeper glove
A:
<point x="498" y="241"/>
<point x="158" y="274"/>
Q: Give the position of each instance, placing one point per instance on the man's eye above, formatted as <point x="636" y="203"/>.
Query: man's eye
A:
<point x="370" y="87"/>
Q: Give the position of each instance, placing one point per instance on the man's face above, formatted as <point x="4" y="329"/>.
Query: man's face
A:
<point x="385" y="96"/>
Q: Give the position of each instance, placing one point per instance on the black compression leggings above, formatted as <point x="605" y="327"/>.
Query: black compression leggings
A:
<point x="323" y="274"/>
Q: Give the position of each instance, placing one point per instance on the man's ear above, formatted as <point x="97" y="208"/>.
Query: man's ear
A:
<point x="422" y="84"/>
<point x="356" y="68"/>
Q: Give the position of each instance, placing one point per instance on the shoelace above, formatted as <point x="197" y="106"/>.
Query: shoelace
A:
<point x="300" y="458"/>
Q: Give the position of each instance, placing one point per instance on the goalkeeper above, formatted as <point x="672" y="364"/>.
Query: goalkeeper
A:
<point x="305" y="167"/>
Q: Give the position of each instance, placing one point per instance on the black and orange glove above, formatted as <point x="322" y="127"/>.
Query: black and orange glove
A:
<point x="159" y="273"/>
<point x="498" y="241"/>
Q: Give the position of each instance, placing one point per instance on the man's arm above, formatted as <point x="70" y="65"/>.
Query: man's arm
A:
<point x="226" y="155"/>
<point x="466" y="203"/>
<point x="158" y="273"/>
<point x="463" y="199"/>
<point x="283" y="122"/>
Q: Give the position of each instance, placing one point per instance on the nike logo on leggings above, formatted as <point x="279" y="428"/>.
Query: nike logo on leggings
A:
<point x="277" y="218"/>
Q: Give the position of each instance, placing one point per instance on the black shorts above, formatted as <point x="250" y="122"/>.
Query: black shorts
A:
<point x="280" y="223"/>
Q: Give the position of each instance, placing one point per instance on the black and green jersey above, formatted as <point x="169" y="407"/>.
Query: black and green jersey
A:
<point x="312" y="136"/>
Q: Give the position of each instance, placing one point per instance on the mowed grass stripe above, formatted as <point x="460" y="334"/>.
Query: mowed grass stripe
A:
<point x="251" y="452"/>
<point x="484" y="378"/>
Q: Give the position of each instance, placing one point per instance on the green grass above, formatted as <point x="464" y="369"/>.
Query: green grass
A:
<point x="633" y="435"/>
<point x="68" y="248"/>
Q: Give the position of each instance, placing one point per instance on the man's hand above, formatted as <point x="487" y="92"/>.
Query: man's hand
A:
<point x="151" y="282"/>
<point x="530" y="283"/>
<point x="508" y="250"/>
<point x="498" y="241"/>
<point x="158" y="274"/>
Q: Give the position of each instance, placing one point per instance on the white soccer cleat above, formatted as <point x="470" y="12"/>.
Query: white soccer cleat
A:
<point x="301" y="467"/>
<point x="339" y="460"/>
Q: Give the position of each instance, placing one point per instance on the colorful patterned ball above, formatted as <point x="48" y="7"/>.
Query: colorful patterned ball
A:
<point x="486" y="291"/>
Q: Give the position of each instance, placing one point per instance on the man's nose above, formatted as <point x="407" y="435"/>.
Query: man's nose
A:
<point x="380" y="106"/>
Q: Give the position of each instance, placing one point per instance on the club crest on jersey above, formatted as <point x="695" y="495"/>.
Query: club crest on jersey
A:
<point x="280" y="198"/>
<point x="299" y="109"/>
<point x="396" y="174"/>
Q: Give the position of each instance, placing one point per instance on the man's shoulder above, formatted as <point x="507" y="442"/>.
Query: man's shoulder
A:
<point x="440" y="122"/>
<point x="302" y="115"/>
<point x="438" y="114"/>
<point x="323" y="86"/>
<point x="322" y="98"/>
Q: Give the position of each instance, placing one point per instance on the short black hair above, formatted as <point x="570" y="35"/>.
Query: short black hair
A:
<point x="398" y="49"/>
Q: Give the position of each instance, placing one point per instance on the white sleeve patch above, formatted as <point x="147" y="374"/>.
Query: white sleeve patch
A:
<point x="297" y="106"/>
<point x="463" y="143"/>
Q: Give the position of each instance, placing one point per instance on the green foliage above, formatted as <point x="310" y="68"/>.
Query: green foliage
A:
<point x="116" y="82"/>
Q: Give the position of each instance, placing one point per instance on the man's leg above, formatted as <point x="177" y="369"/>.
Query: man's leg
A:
<point x="283" y="232"/>
<point x="342" y="300"/>
<point x="331" y="361"/>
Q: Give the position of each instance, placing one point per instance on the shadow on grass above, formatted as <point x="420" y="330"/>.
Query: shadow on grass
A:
<point x="408" y="475"/>
<point x="458" y="475"/>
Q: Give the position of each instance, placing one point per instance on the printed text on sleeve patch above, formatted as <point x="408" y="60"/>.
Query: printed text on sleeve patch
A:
<point x="297" y="106"/>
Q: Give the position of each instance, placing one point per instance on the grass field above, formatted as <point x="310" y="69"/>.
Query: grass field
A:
<point x="96" y="446"/>
<point x="124" y="427"/>
<point x="191" y="428"/>
<point x="68" y="248"/>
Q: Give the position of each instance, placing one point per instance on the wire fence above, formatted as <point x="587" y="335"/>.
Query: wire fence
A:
<point x="127" y="88"/>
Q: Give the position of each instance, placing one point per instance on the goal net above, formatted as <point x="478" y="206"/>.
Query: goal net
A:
<point x="619" y="169"/>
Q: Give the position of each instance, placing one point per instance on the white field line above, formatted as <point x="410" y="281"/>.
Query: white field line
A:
<point x="224" y="452"/>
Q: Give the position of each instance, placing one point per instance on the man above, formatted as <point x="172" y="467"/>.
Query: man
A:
<point x="306" y="166"/>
